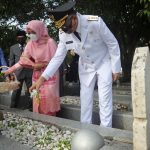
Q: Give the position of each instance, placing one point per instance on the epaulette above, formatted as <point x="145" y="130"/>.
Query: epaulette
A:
<point x="92" y="18"/>
<point x="61" y="31"/>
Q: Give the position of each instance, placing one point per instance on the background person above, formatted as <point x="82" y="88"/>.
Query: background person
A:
<point x="99" y="58"/>
<point x="2" y="59"/>
<point x="3" y="63"/>
<point x="22" y="74"/>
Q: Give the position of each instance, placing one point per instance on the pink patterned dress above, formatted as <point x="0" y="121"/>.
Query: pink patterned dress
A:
<point x="49" y="92"/>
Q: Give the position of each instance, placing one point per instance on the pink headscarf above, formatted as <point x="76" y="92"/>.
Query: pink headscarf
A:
<point x="42" y="49"/>
<point x="39" y="28"/>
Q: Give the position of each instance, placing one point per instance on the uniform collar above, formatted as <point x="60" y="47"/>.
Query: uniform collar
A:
<point x="20" y="45"/>
<point x="79" y="24"/>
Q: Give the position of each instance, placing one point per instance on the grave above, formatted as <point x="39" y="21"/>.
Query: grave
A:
<point x="114" y="138"/>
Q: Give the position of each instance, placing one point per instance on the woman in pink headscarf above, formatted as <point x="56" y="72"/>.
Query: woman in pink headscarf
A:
<point x="37" y="54"/>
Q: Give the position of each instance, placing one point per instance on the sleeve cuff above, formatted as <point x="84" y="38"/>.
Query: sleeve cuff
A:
<point x="45" y="76"/>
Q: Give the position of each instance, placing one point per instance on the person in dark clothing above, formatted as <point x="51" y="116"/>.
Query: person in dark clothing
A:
<point x="72" y="69"/>
<point x="2" y="59"/>
<point x="23" y="74"/>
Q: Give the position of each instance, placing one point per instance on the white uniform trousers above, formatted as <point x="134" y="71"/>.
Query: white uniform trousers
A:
<point x="105" y="101"/>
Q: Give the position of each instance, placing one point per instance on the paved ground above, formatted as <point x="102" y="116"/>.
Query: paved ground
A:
<point x="8" y="144"/>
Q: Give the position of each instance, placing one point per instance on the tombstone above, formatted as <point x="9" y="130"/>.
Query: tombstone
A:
<point x="140" y="82"/>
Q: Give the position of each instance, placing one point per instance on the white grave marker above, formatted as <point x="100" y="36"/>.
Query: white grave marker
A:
<point x="140" y="82"/>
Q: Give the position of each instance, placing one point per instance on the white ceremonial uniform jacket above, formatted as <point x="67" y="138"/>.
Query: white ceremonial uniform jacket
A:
<point x="98" y="50"/>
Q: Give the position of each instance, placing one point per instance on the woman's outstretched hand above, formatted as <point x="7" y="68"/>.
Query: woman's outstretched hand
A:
<point x="8" y="77"/>
<point x="6" y="72"/>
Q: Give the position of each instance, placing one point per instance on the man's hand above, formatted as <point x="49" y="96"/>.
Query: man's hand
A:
<point x="115" y="76"/>
<point x="37" y="84"/>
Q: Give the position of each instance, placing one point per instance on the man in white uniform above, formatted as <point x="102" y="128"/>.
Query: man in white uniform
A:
<point x="99" y="61"/>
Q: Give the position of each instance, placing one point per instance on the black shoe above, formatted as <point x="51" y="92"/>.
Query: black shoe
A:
<point x="30" y="109"/>
<point x="30" y="106"/>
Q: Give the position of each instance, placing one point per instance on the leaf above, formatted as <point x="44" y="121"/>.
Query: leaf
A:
<point x="2" y="77"/>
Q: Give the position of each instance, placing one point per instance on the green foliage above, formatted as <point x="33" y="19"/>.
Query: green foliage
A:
<point x="2" y="78"/>
<point x="53" y="32"/>
<point x="21" y="11"/>
<point x="145" y="11"/>
<point x="13" y="15"/>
